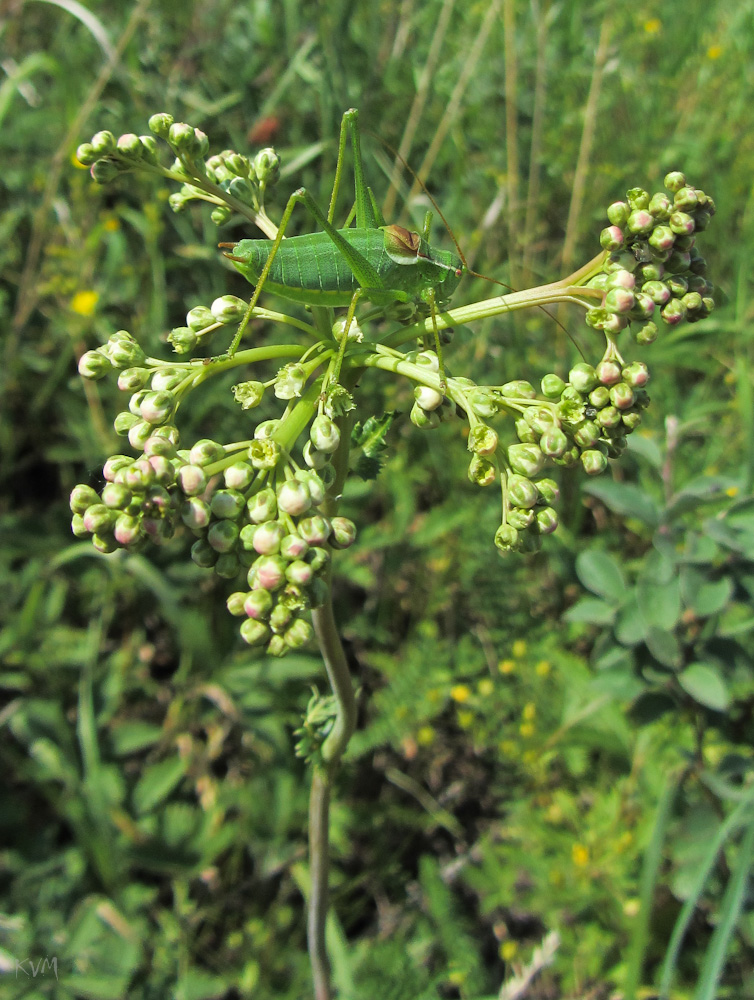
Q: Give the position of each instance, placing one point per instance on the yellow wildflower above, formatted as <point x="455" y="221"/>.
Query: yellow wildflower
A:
<point x="526" y="729"/>
<point x="508" y="950"/>
<point x="653" y="25"/>
<point x="506" y="666"/>
<point x="580" y="855"/>
<point x="112" y="225"/>
<point x="543" y="668"/>
<point x="425" y="736"/>
<point x="530" y="711"/>
<point x="485" y="687"/>
<point x="519" y="648"/>
<point x="460" y="693"/>
<point x="714" y="51"/>
<point x="84" y="303"/>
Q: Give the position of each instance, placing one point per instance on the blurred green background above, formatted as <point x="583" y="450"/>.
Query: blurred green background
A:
<point x="558" y="744"/>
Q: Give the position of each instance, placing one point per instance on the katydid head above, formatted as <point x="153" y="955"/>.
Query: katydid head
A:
<point x="441" y="269"/>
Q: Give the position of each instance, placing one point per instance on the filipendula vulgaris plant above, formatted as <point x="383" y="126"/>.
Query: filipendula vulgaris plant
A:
<point x="263" y="510"/>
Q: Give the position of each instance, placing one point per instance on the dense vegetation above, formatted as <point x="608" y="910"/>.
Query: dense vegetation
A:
<point x="551" y="778"/>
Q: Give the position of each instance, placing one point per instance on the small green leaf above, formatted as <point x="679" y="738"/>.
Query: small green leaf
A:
<point x="601" y="574"/>
<point x="703" y="596"/>
<point x="705" y="685"/>
<point x="630" y="627"/>
<point x="664" y="646"/>
<point x="660" y="604"/>
<point x="131" y="736"/>
<point x="591" y="611"/>
<point x="626" y="500"/>
<point x="157" y="782"/>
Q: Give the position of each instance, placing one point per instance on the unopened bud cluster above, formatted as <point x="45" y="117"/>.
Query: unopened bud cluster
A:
<point x="249" y="508"/>
<point x="585" y="420"/>
<point x="242" y="178"/>
<point x="654" y="268"/>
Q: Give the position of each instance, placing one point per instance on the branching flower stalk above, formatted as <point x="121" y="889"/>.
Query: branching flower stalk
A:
<point x="264" y="509"/>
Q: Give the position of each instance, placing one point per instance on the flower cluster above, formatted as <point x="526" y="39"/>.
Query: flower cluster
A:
<point x="249" y="506"/>
<point x="586" y="420"/>
<point x="227" y="179"/>
<point x="653" y="266"/>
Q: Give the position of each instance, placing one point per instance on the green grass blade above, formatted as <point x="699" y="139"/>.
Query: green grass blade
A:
<point x="650" y="868"/>
<point x="736" y="819"/>
<point x="714" y="960"/>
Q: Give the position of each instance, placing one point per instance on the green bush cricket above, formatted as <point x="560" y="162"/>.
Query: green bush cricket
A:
<point x="336" y="267"/>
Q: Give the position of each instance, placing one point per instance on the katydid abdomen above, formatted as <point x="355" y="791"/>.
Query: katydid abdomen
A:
<point x="313" y="270"/>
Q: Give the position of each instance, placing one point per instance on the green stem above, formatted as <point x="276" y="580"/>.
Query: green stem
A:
<point x="332" y="749"/>
<point x="567" y="289"/>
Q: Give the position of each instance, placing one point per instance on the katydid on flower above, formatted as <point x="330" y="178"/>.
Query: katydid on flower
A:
<point x="382" y="263"/>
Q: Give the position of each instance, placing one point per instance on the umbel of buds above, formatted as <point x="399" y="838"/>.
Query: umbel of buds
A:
<point x="653" y="268"/>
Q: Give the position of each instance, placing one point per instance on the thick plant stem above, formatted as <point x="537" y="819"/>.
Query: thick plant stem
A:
<point x="319" y="824"/>
<point x="331" y="752"/>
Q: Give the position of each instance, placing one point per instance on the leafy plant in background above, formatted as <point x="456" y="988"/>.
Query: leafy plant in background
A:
<point x="265" y="507"/>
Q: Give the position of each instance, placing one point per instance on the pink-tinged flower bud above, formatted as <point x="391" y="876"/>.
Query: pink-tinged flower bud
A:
<point x="126" y="529"/>
<point x="104" y="543"/>
<point x="608" y="372"/>
<point x="139" y="476"/>
<point x="522" y="492"/>
<point x="611" y="238"/>
<point x="526" y="459"/>
<point x="294" y="498"/>
<point x="583" y="377"/>
<point x="223" y="536"/>
<point x="299" y="572"/>
<point x="315" y="530"/>
<point x="547" y="521"/>
<point x="267" y="537"/>
<point x="270" y="572"/>
<point x="83" y="497"/>
<point x="139" y="433"/>
<point x="621" y="279"/>
<point x="618" y="213"/>
<point x="131" y="379"/>
<point x="343" y="532"/>
<point x="674" y="312"/>
<point x="262" y="506"/>
<point x="622" y="396"/>
<point x="594" y="462"/>
<point x="293" y="547"/>
<point x="205" y="452"/>
<point x="548" y="490"/>
<point x="94" y="365"/>
<point x="195" y="514"/>
<point x="202" y="554"/>
<point x="235" y="603"/>
<point x="157" y="406"/>
<point x="299" y="634"/>
<point x="161" y="446"/>
<point x="314" y="483"/>
<point x="280" y="618"/>
<point x="324" y="434"/>
<point x="258" y="604"/>
<point x="636" y="374"/>
<point x="427" y="399"/>
<point x="587" y="434"/>
<point x="255" y="633"/>
<point x="99" y="519"/>
<point x="640" y="222"/>
<point x="553" y="442"/>
<point x="313" y="458"/>
<point x="238" y="476"/>
<point x="192" y="480"/>
<point x="317" y="558"/>
<point x="227" y="504"/>
<point x="116" y="495"/>
<point x="620" y="300"/>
